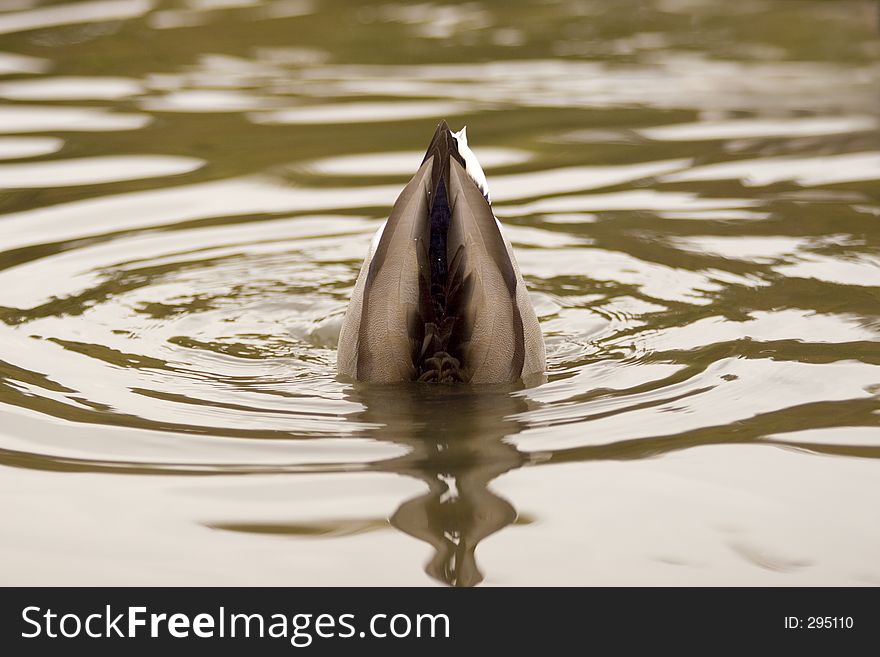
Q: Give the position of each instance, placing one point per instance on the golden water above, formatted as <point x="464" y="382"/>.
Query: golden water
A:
<point x="187" y="189"/>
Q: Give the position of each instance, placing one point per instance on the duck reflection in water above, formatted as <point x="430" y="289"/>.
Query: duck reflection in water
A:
<point x="440" y="300"/>
<point x="456" y="437"/>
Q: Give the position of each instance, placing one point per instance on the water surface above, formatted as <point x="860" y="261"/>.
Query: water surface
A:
<point x="187" y="189"/>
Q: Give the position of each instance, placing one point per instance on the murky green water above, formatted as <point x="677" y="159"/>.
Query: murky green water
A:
<point x="188" y="187"/>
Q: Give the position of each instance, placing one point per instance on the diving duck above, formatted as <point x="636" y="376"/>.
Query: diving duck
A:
<point x="439" y="297"/>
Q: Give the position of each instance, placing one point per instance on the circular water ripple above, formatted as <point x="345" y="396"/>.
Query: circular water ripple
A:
<point x="178" y="246"/>
<point x="228" y="330"/>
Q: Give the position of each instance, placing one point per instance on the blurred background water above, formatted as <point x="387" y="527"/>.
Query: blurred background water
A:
<point x="187" y="188"/>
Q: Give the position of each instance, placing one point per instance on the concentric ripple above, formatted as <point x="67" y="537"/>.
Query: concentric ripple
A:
<point x="697" y="225"/>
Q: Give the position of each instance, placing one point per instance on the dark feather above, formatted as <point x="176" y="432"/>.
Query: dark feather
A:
<point x="439" y="298"/>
